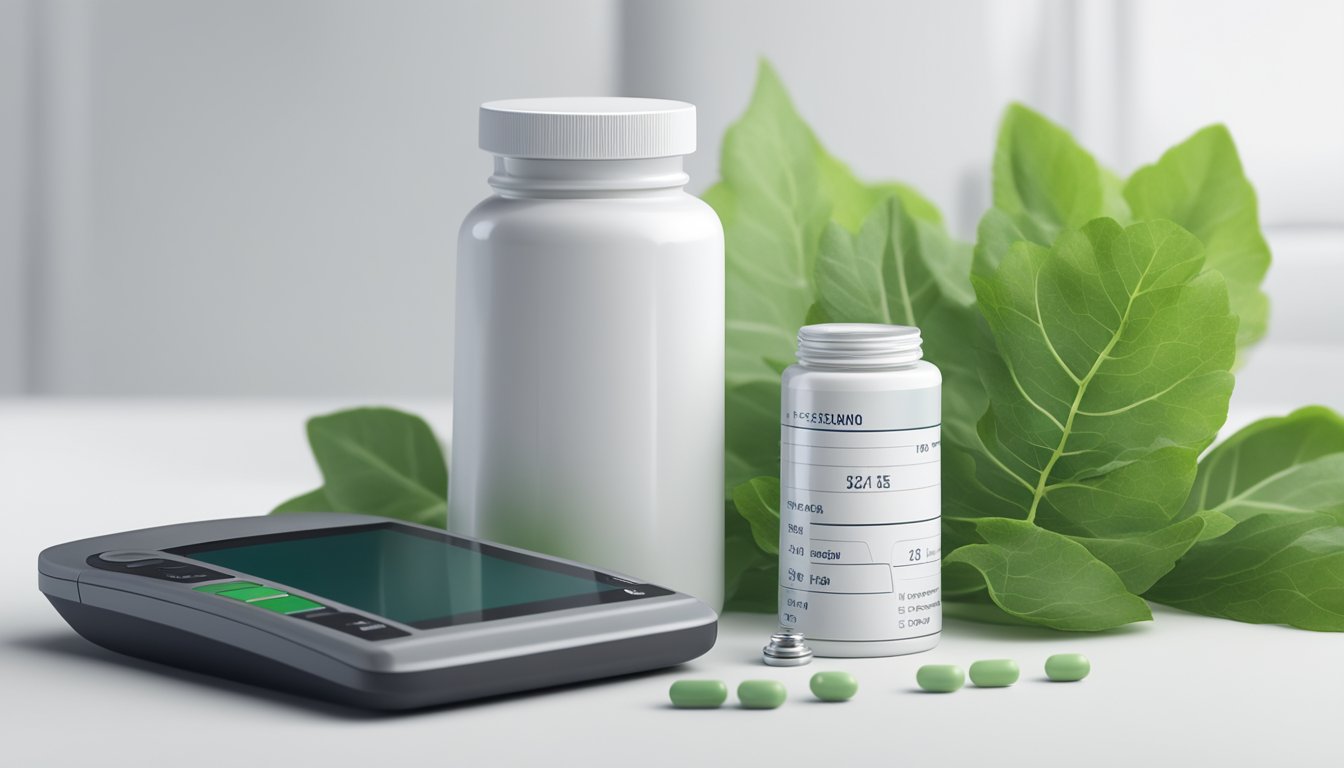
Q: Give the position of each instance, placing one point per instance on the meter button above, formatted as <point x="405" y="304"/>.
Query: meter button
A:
<point x="215" y="589"/>
<point x="248" y="594"/>
<point x="185" y="573"/>
<point x="359" y="626"/>
<point x="287" y="604"/>
<point x="123" y="556"/>
<point x="154" y="566"/>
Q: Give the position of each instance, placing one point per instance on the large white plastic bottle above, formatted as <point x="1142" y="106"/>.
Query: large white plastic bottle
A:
<point x="588" y="396"/>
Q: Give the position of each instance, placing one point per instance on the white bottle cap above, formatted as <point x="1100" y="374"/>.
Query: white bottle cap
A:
<point x="858" y="345"/>
<point x="592" y="128"/>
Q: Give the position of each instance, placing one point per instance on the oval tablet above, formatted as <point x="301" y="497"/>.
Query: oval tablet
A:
<point x="761" y="694"/>
<point x="698" y="694"/>
<point x="834" y="686"/>
<point x="940" y="678"/>
<point x="994" y="673"/>
<point x="1067" y="667"/>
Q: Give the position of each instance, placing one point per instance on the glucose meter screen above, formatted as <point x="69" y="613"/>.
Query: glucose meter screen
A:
<point x="416" y="577"/>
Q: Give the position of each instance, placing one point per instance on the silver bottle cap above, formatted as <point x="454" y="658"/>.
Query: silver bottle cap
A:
<point x="787" y="648"/>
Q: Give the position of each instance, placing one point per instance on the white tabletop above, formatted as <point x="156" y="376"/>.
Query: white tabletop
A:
<point x="1181" y="690"/>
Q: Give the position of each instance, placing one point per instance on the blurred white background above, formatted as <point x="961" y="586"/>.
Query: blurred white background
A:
<point x="260" y="198"/>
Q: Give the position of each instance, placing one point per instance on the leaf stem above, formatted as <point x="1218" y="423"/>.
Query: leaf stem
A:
<point x="899" y="254"/>
<point x="1102" y="357"/>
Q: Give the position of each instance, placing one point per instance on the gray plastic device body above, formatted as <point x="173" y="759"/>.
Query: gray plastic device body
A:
<point x="173" y="623"/>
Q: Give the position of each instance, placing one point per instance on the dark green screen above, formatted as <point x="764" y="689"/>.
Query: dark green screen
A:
<point x="406" y="577"/>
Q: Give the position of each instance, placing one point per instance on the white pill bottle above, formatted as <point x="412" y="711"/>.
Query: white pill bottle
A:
<point x="588" y="389"/>
<point x="860" y="502"/>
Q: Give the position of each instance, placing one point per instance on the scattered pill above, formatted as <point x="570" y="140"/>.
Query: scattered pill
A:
<point x="994" y="673"/>
<point x="1067" y="667"/>
<point x="761" y="694"/>
<point x="834" y="686"/>
<point x="940" y="678"/>
<point x="698" y="694"/>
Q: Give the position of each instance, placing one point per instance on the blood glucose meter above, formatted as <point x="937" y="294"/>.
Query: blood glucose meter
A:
<point x="365" y="611"/>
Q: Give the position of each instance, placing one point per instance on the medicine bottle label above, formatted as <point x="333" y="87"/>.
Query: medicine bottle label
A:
<point x="860" y="539"/>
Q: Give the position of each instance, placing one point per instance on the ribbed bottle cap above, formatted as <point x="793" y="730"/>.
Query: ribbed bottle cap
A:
<point x="588" y="128"/>
<point x="858" y="345"/>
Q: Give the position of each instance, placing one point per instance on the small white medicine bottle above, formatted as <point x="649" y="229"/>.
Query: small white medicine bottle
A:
<point x="860" y="502"/>
<point x="588" y="385"/>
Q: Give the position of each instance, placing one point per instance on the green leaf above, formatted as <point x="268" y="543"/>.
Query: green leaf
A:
<point x="380" y="461"/>
<point x="1261" y="468"/>
<point x="757" y="590"/>
<point x="905" y="270"/>
<point x="1269" y="569"/>
<point x="312" y="501"/>
<point x="758" y="502"/>
<point x="1280" y="485"/>
<point x="915" y="204"/>
<point x="721" y="199"/>
<point x="1042" y="176"/>
<point x="815" y="316"/>
<point x="1200" y="185"/>
<point x="1107" y="375"/>
<point x="1043" y="183"/>
<point x="778" y="210"/>
<point x="1141" y="560"/>
<point x="897" y="269"/>
<point x="751" y="419"/>
<point x="978" y="607"/>
<point x="852" y="200"/>
<point x="1044" y="578"/>
<point x="994" y="236"/>
<point x="773" y="207"/>
<point x="750" y="576"/>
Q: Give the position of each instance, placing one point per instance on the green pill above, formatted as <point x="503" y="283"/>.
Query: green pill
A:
<point x="994" y="673"/>
<point x="940" y="678"/>
<point x="698" y="694"/>
<point x="833" y="686"/>
<point x="1067" y="667"/>
<point x="761" y="694"/>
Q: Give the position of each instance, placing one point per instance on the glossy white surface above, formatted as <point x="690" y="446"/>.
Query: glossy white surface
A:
<point x="1184" y="690"/>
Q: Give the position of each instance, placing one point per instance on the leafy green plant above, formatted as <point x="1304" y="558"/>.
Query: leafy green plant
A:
<point x="1087" y="342"/>
<point x="376" y="461"/>
<point x="1087" y="349"/>
<point x="1107" y="374"/>
<point x="1272" y="498"/>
